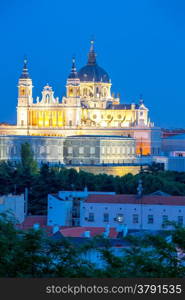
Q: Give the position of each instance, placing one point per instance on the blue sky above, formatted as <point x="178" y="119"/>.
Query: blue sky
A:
<point x="140" y="43"/>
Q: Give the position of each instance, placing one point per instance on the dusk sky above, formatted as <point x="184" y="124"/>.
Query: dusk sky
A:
<point x="140" y="43"/>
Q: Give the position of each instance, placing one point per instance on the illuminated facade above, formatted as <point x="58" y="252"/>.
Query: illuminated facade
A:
<point x="88" y="108"/>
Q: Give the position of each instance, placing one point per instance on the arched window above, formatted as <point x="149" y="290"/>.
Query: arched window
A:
<point x="85" y="92"/>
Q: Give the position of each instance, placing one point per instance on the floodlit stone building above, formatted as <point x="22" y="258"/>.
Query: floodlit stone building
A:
<point x="88" y="108"/>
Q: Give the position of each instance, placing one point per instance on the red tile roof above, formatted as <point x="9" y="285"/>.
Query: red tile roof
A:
<point x="132" y="199"/>
<point x="79" y="231"/>
<point x="31" y="220"/>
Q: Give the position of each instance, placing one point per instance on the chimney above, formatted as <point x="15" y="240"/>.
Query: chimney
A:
<point x="87" y="234"/>
<point x="119" y="227"/>
<point x="122" y="230"/>
<point x="55" y="229"/>
<point x="36" y="226"/>
<point x="107" y="231"/>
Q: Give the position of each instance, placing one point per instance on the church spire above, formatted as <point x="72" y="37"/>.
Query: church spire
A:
<point x="25" y="73"/>
<point x="73" y="73"/>
<point x="92" y="55"/>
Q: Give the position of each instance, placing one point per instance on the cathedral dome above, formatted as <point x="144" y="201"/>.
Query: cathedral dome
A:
<point x="92" y="72"/>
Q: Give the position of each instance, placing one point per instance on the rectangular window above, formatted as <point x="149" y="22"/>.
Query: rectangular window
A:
<point x="92" y="150"/>
<point x="108" y="150"/>
<point x="103" y="150"/>
<point x="118" y="150"/>
<point x="59" y="150"/>
<point x="47" y="149"/>
<point x="14" y="149"/>
<point x="135" y="219"/>
<point x="123" y="149"/>
<point x="113" y="150"/>
<point x="150" y="219"/>
<point x="91" y="217"/>
<point x="165" y="218"/>
<point x="180" y="220"/>
<point x="42" y="150"/>
<point x="106" y="217"/>
<point x="70" y="150"/>
<point x="81" y="150"/>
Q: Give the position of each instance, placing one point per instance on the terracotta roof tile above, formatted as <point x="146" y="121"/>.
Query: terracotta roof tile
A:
<point x="79" y="231"/>
<point x="133" y="199"/>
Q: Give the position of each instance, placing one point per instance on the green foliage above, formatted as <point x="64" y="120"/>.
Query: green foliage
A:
<point x="28" y="163"/>
<point x="46" y="179"/>
<point x="33" y="254"/>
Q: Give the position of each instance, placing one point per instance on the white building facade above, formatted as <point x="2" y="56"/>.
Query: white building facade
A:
<point x="13" y="205"/>
<point x="144" y="213"/>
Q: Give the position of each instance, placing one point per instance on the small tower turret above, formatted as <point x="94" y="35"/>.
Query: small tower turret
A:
<point x="24" y="96"/>
<point x="73" y="82"/>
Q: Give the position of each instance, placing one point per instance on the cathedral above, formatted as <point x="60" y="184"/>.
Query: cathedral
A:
<point x="89" y="108"/>
<point x="88" y="102"/>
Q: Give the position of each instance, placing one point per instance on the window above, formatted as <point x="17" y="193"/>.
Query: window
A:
<point x="135" y="219"/>
<point x="42" y="149"/>
<point x="120" y="218"/>
<point x="150" y="219"/>
<point x="106" y="217"/>
<point x="113" y="150"/>
<point x="108" y="150"/>
<point x="103" y="150"/>
<point x="165" y="218"/>
<point x="81" y="150"/>
<point x="70" y="150"/>
<point x="92" y="150"/>
<point x="59" y="150"/>
<point x="123" y="150"/>
<point x="180" y="220"/>
<point x="91" y="217"/>
<point x="47" y="149"/>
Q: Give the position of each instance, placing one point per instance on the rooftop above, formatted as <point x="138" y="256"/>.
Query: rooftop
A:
<point x="101" y="136"/>
<point x="94" y="231"/>
<point x="176" y="137"/>
<point x="133" y="199"/>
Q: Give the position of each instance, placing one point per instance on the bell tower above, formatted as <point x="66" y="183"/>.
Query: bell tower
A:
<point x="73" y="82"/>
<point x="71" y="103"/>
<point x="24" y="96"/>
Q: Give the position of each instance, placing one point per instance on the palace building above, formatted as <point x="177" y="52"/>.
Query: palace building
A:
<point x="89" y="108"/>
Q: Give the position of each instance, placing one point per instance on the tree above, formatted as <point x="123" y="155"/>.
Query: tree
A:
<point x="28" y="163"/>
<point x="32" y="253"/>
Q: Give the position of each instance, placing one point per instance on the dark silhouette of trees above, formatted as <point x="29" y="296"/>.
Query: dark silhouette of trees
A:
<point x="44" y="179"/>
<point x="32" y="253"/>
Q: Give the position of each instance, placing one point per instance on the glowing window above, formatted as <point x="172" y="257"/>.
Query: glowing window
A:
<point x="92" y="150"/>
<point x="135" y="219"/>
<point x="70" y="150"/>
<point x="81" y="150"/>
